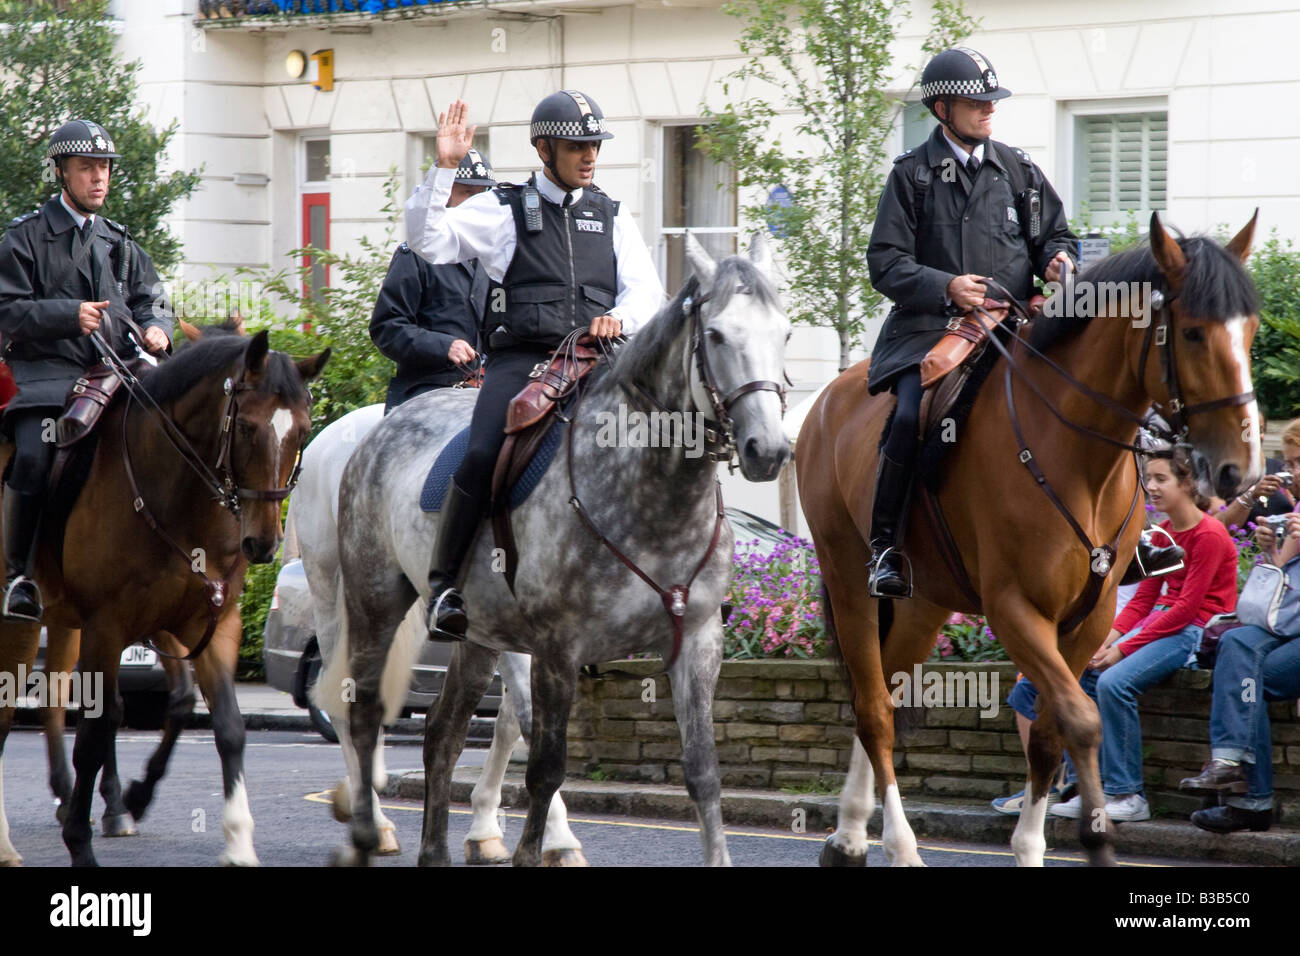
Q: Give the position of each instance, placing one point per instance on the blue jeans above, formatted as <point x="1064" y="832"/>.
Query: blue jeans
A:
<point x="1117" y="690"/>
<point x="1023" y="699"/>
<point x="1252" y="668"/>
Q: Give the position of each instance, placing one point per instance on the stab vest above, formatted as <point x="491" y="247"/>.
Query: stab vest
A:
<point x="562" y="277"/>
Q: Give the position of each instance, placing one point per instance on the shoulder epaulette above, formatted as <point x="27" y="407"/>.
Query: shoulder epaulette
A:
<point x="23" y="218"/>
<point x="903" y="155"/>
<point x="1024" y="157"/>
<point x="403" y="248"/>
<point x="116" y="226"/>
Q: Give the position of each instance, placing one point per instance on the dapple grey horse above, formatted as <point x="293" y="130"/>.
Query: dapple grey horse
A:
<point x="313" y="522"/>
<point x="717" y="350"/>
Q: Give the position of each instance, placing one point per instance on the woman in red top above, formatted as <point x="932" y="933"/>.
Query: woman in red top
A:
<point x="1157" y="633"/>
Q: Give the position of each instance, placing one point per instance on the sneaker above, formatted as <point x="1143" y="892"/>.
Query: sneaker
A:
<point x="1128" y="808"/>
<point x="1013" y="804"/>
<point x="1071" y="809"/>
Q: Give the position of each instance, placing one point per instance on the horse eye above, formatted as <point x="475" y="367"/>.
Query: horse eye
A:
<point x="246" y="429"/>
<point x="1193" y="335"/>
<point x="714" y="336"/>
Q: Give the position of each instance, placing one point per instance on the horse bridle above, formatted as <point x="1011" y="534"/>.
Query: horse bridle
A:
<point x="220" y="480"/>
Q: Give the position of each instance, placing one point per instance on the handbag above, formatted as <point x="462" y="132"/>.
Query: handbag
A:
<point x="1270" y="601"/>
<point x="1207" y="648"/>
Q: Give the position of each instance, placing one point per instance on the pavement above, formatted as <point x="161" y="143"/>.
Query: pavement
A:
<point x="265" y="708"/>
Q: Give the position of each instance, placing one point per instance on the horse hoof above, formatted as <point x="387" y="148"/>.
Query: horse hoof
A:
<point x="569" y="857"/>
<point x="135" y="800"/>
<point x="229" y="859"/>
<point x="12" y="861"/>
<point x="486" y="852"/>
<point x="340" y="805"/>
<point x="119" y="825"/>
<point x="834" y="856"/>
<point x="388" y="845"/>
<point x="347" y="856"/>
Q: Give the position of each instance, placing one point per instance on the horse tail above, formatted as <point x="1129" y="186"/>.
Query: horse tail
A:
<point x="407" y="644"/>
<point x="327" y="694"/>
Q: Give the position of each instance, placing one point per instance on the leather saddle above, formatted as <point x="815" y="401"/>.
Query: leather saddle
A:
<point x="528" y="419"/>
<point x="89" y="396"/>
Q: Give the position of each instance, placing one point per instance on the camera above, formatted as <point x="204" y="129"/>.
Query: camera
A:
<point x="1276" y="522"/>
<point x="1286" y="478"/>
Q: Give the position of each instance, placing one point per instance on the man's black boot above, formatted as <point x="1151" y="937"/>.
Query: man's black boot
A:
<point x="892" y="486"/>
<point x="22" y="516"/>
<point x="1156" y="554"/>
<point x="457" y="523"/>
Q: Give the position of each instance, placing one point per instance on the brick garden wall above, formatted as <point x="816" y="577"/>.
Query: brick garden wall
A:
<point x="784" y="724"/>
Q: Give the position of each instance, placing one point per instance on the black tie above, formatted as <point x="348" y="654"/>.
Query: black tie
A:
<point x="973" y="165"/>
<point x="86" y="231"/>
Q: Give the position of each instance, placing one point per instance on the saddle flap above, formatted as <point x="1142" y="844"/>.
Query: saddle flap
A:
<point x="550" y="382"/>
<point x="963" y="336"/>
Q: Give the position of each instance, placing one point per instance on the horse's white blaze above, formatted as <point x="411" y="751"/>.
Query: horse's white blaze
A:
<point x="7" y="852"/>
<point x="1237" y="336"/>
<point x="896" y="834"/>
<point x="237" y="825"/>
<point x="1028" y="841"/>
<point x="281" y="422"/>
<point x="857" y="803"/>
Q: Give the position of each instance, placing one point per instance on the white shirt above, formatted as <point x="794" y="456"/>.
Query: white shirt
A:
<point x="961" y="153"/>
<point x="483" y="228"/>
<point x="80" y="219"/>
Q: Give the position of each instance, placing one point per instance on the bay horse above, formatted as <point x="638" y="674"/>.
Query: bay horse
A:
<point x="205" y="448"/>
<point x="1183" y="343"/>
<point x="313" y="514"/>
<point x="714" y="353"/>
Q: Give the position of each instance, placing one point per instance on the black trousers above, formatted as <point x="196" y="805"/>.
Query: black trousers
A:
<point x="29" y="471"/>
<point x="504" y="375"/>
<point x="900" y="442"/>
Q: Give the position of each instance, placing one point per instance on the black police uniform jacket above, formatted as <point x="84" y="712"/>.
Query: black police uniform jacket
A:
<point x="963" y="227"/>
<point x="421" y="310"/>
<point x="43" y="342"/>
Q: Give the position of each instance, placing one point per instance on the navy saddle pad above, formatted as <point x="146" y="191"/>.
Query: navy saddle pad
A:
<point x="449" y="459"/>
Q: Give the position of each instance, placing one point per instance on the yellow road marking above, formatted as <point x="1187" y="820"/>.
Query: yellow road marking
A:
<point x="323" y="797"/>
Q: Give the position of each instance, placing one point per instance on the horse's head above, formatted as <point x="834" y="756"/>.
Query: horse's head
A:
<point x="269" y="404"/>
<point x="1196" y="358"/>
<point x="742" y="354"/>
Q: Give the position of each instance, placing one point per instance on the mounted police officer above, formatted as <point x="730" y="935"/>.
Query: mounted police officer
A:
<point x="568" y="257"/>
<point x="65" y="272"/>
<point x="427" y="317"/>
<point x="954" y="210"/>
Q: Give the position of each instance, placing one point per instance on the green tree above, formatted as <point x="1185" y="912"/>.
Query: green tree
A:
<point x="829" y="63"/>
<point x="1275" y="353"/>
<point x="59" y="64"/>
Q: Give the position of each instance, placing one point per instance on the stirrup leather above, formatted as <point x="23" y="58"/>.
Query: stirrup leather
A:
<point x="875" y="567"/>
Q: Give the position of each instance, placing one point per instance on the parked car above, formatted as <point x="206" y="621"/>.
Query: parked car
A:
<point x="293" y="661"/>
<point x="141" y="681"/>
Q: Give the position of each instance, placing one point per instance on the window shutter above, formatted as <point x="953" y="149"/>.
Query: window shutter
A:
<point x="1127" y="162"/>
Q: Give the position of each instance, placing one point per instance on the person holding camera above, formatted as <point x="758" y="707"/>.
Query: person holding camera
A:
<point x="1253" y="668"/>
<point x="1157" y="633"/>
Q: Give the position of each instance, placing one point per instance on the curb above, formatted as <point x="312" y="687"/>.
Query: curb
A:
<point x="1177" y="839"/>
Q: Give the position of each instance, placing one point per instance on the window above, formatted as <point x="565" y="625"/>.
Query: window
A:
<point x="429" y="150"/>
<point x="917" y="125"/>
<point x="1121" y="163"/>
<point x="314" y="189"/>
<point x="699" y="194"/>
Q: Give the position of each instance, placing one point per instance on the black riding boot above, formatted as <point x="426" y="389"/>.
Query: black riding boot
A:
<point x="893" y="482"/>
<point x="457" y="523"/>
<point x="22" y="516"/>
<point x="1156" y="554"/>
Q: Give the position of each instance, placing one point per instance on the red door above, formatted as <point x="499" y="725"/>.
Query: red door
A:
<point x="315" y="232"/>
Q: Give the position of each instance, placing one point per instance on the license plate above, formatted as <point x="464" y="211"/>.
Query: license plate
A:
<point x="137" y="655"/>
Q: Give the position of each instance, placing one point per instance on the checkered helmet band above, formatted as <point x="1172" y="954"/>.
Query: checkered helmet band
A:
<point x="475" y="170"/>
<point x="81" y="138"/>
<point x="568" y="114"/>
<point x="960" y="72"/>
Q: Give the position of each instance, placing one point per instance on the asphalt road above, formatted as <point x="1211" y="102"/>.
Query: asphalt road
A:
<point x="288" y="776"/>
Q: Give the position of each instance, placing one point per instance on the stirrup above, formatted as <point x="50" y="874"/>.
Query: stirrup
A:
<point x="875" y="567"/>
<point x="6" y="611"/>
<point x="437" y="633"/>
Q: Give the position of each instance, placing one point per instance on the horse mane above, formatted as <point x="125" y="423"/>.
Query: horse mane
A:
<point x="217" y="353"/>
<point x="646" y="349"/>
<point x="1215" y="285"/>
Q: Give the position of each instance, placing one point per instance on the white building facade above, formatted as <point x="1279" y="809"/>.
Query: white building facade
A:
<point x="1127" y="106"/>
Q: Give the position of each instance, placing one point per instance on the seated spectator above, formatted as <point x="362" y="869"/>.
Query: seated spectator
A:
<point x="1271" y="495"/>
<point x="1253" y="667"/>
<point x="1156" y="634"/>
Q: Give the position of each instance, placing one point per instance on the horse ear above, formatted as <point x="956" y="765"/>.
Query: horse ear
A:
<point x="760" y="252"/>
<point x="1169" y="255"/>
<point x="309" y="368"/>
<point x="700" y="260"/>
<point x="255" y="355"/>
<point x="192" y="332"/>
<point x="1242" y="241"/>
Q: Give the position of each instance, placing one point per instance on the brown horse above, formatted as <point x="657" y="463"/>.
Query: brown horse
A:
<point x="207" y="468"/>
<point x="1185" y="348"/>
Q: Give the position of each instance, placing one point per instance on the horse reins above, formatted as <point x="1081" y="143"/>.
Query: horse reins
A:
<point x="219" y="480"/>
<point x="1101" y="556"/>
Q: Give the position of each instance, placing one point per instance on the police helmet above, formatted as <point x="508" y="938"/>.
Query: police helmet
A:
<point x="568" y="114"/>
<point x="474" y="170"/>
<point x="81" y="138"/>
<point x="960" y="72"/>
